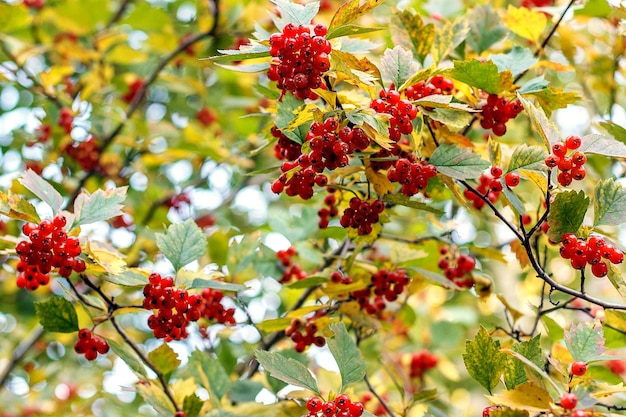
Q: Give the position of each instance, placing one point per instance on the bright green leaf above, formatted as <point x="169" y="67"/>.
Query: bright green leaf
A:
<point x="287" y="370"/>
<point x="458" y="163"/>
<point x="307" y="283"/>
<point x="518" y="60"/>
<point x="128" y="277"/>
<point x="183" y="243"/>
<point x="129" y="357"/>
<point x="602" y="145"/>
<point x="192" y="405"/>
<point x="403" y="200"/>
<point x="615" y="130"/>
<point x="483" y="359"/>
<point x="609" y="203"/>
<point x="101" y="205"/>
<point x="567" y="212"/>
<point x="164" y="359"/>
<point x="483" y="75"/>
<point x="56" y="314"/>
<point x="347" y="355"/>
<point x="42" y="189"/>
<point x="594" y="8"/>
<point x="515" y="371"/>
<point x="529" y="158"/>
<point x="514" y="200"/>
<point x="209" y="373"/>
<point x="585" y="340"/>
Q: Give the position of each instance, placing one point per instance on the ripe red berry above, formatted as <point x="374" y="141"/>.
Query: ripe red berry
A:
<point x="512" y="179"/>
<point x="552" y="160"/>
<point x="579" y="413"/>
<point x="487" y="410"/>
<point x="342" y="401"/>
<point x="579" y="368"/>
<point x="573" y="142"/>
<point x="496" y="171"/>
<point x="314" y="404"/>
<point x="569" y="401"/>
<point x="559" y="149"/>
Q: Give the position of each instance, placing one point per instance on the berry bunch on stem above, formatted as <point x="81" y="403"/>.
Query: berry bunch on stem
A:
<point x="402" y="112"/>
<point x="342" y="406"/>
<point x="90" y="345"/>
<point x="133" y="90"/>
<point x="413" y="176"/>
<point x="361" y="215"/>
<point x="386" y="286"/>
<point x="571" y="167"/>
<point x="497" y="111"/>
<point x="593" y="251"/>
<point x="212" y="308"/>
<point x="290" y="268"/>
<point x="489" y="185"/>
<point x="66" y="120"/>
<point x="421" y="362"/>
<point x="331" y="210"/>
<point x="437" y="85"/>
<point x="457" y="267"/>
<point x="48" y="247"/>
<point x="304" y="334"/>
<point x="85" y="153"/>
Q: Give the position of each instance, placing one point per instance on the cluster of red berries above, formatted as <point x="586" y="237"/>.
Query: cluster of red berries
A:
<point x="133" y="91"/>
<point x="285" y="148"/>
<point x="361" y="215"/>
<point x="35" y="4"/>
<point x="422" y="362"/>
<point x="206" y="116"/>
<point x="490" y="186"/>
<point x="304" y="335"/>
<point x="342" y="406"/>
<point x="337" y="277"/>
<point x="571" y="167"/>
<point x="437" y="85"/>
<point x="402" y="112"/>
<point x="66" y="120"/>
<point x="385" y="286"/>
<point x="497" y="111"/>
<point x="90" y="345"/>
<point x="85" y="153"/>
<point x="413" y="176"/>
<point x="290" y="268"/>
<point x="457" y="268"/>
<point x="581" y="252"/>
<point x="331" y="210"/>
<point x="535" y="3"/>
<point x="212" y="308"/>
<point x="299" y="59"/>
<point x="175" y="308"/>
<point x="49" y="248"/>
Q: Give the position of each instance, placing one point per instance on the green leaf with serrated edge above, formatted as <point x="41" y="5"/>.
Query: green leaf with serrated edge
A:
<point x="495" y="153"/>
<point x="56" y="314"/>
<point x="546" y="129"/>
<point x="448" y="37"/>
<point x="164" y="359"/>
<point x="403" y="200"/>
<point x="531" y="158"/>
<point x="307" y="283"/>
<point x="602" y="145"/>
<point x="615" y="130"/>
<point x="513" y="199"/>
<point x="615" y="277"/>
<point x="250" y="68"/>
<point x="251" y="52"/>
<point x="192" y="405"/>
<point x="609" y="203"/>
<point x="350" y="11"/>
<point x="351" y="365"/>
<point x="266" y="92"/>
<point x="209" y="373"/>
<point x="20" y="208"/>
<point x="154" y="395"/>
<point x="552" y="98"/>
<point x="406" y="28"/>
<point x="349" y="30"/>
<point x="458" y="163"/>
<point x="182" y="243"/>
<point x="286" y="111"/>
<point x="483" y="75"/>
<point x="567" y="213"/>
<point x="129" y="357"/>
<point x="297" y="14"/>
<point x="287" y="370"/>
<point x="128" y="277"/>
<point x="483" y="359"/>
<point x="243" y="391"/>
<point x="455" y="120"/>
<point x="585" y="340"/>
<point x="486" y="28"/>
<point x="42" y="189"/>
<point x="101" y="205"/>
<point x="397" y="65"/>
<point x="517" y="60"/>
<point x="216" y="285"/>
<point x="515" y="372"/>
<point x="534" y="85"/>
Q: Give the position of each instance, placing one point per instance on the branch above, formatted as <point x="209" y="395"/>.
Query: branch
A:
<point x="19" y="352"/>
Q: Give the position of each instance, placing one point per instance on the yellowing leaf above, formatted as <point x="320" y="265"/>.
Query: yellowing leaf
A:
<point x="516" y="314"/>
<point x="605" y="390"/>
<point x="106" y="256"/>
<point x="527" y="23"/>
<point x="381" y="183"/>
<point x="520" y="253"/>
<point x="123" y="54"/>
<point x="55" y="75"/>
<point x="527" y="396"/>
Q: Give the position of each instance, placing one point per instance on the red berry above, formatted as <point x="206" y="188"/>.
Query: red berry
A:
<point x="564" y="178"/>
<point x="512" y="179"/>
<point x="314" y="404"/>
<point x="573" y="142"/>
<point x="569" y="401"/>
<point x="342" y="401"/>
<point x="496" y="171"/>
<point x="579" y="368"/>
<point x="579" y="413"/>
<point x="487" y="410"/>
<point x="552" y="160"/>
<point x="559" y="149"/>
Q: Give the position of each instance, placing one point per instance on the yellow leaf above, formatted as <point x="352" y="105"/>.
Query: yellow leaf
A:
<point x="94" y="80"/>
<point x="124" y="54"/>
<point x="528" y="24"/>
<point x="452" y="186"/>
<point x="555" y="66"/>
<point x="383" y="141"/>
<point x="536" y="178"/>
<point x="302" y="311"/>
<point x="106" y="256"/>
<point x="303" y="114"/>
<point x="183" y="388"/>
<point x="520" y="253"/>
<point x="516" y="314"/>
<point x="454" y="137"/>
<point x="527" y="396"/>
<point x="381" y="183"/>
<point x="605" y="390"/>
<point x="55" y="75"/>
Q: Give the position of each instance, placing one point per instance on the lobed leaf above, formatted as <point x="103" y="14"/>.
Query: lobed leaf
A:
<point x="524" y="22"/>
<point x="192" y="405"/>
<point x="515" y="371"/>
<point x="448" y="37"/>
<point x="609" y="203"/>
<point x="483" y="360"/>
<point x="57" y="314"/>
<point x="397" y="65"/>
<point x="347" y="355"/>
<point x="350" y="11"/>
<point x="458" y="163"/>
<point x="42" y="189"/>
<point x="485" y="28"/>
<point x="182" y="243"/>
<point x="101" y="205"/>
<point x="164" y="359"/>
<point x="287" y="370"/>
<point x="518" y="60"/>
<point x="567" y="212"/>
<point x="483" y="75"/>
<point x="585" y="341"/>
<point x="297" y="14"/>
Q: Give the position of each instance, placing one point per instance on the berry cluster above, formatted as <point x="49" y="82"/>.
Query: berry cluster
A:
<point x="133" y="91"/>
<point x="290" y="268"/>
<point x="337" y="277"/>
<point x="413" y="176"/>
<point x="581" y="252"/>
<point x="206" y="117"/>
<point x="299" y="59"/>
<point x="213" y="309"/>
<point x="66" y="120"/>
<point x="304" y="334"/>
<point x="437" y="85"/>
<point x="385" y="286"/>
<point x="422" y="362"/>
<point x="402" y="112"/>
<point x="497" y="111"/>
<point x="361" y="215"/>
<point x="86" y="153"/>
<point x="35" y="4"/>
<point x="176" y="308"/>
<point x="90" y="345"/>
<point x="490" y="186"/>
<point x="285" y="148"/>
<point x="571" y="167"/>
<point x="342" y="406"/>
<point x="457" y="268"/>
<point x="535" y="3"/>
<point x="49" y="248"/>
<point x="331" y="210"/>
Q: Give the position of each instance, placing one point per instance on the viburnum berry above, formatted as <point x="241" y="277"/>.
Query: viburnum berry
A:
<point x="34" y="4"/>
<point x="579" y="368"/>
<point x="579" y="413"/>
<point x="134" y="88"/>
<point x="569" y="401"/>
<point x="314" y="404"/>
<point x="412" y="175"/>
<point x="66" y="120"/>
<point x="592" y="252"/>
<point x="497" y="111"/>
<point x="570" y="167"/>
<point x="361" y="215"/>
<point x="206" y="116"/>
<point x="402" y="112"/>
<point x="179" y="414"/>
<point x="90" y="345"/>
<point x="457" y="268"/>
<point x="86" y="153"/>
<point x="290" y="268"/>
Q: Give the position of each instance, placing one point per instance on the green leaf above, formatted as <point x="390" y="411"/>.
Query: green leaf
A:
<point x="518" y="60"/>
<point x="350" y="30"/>
<point x="351" y="365"/>
<point x="483" y="75"/>
<point x="183" y="243"/>
<point x="513" y="199"/>
<point x="274" y="325"/>
<point x="295" y="13"/>
<point x="245" y="391"/>
<point x="251" y="51"/>
<point x="128" y="277"/>
<point x="594" y="8"/>
<point x="615" y="277"/>
<point x="351" y="10"/>
<point x="483" y="359"/>
<point x="515" y="371"/>
<point x="192" y="405"/>
<point x="448" y="37"/>
<point x="546" y="129"/>
<point x="455" y="120"/>
<point x="397" y="65"/>
<point x="555" y="331"/>
<point x="615" y="319"/>
<point x="585" y="340"/>
<point x="551" y="98"/>
<point x="126" y="354"/>
<point x="42" y="189"/>
<point x="615" y="130"/>
<point x="609" y="203"/>
<point x="56" y="314"/>
<point x="101" y="205"/>
<point x="164" y="359"/>
<point x="602" y="145"/>
<point x="208" y="372"/>
<point x="403" y="200"/>
<point x="458" y="163"/>
<point x="16" y="207"/>
<point x="154" y="395"/>
<point x="251" y="68"/>
<point x="534" y="85"/>
<point x="567" y="213"/>
<point x="486" y="28"/>
<point x="216" y="285"/>
<point x="286" y="369"/>
<point x="409" y="24"/>
<point x="307" y="283"/>
<point x="529" y="158"/>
